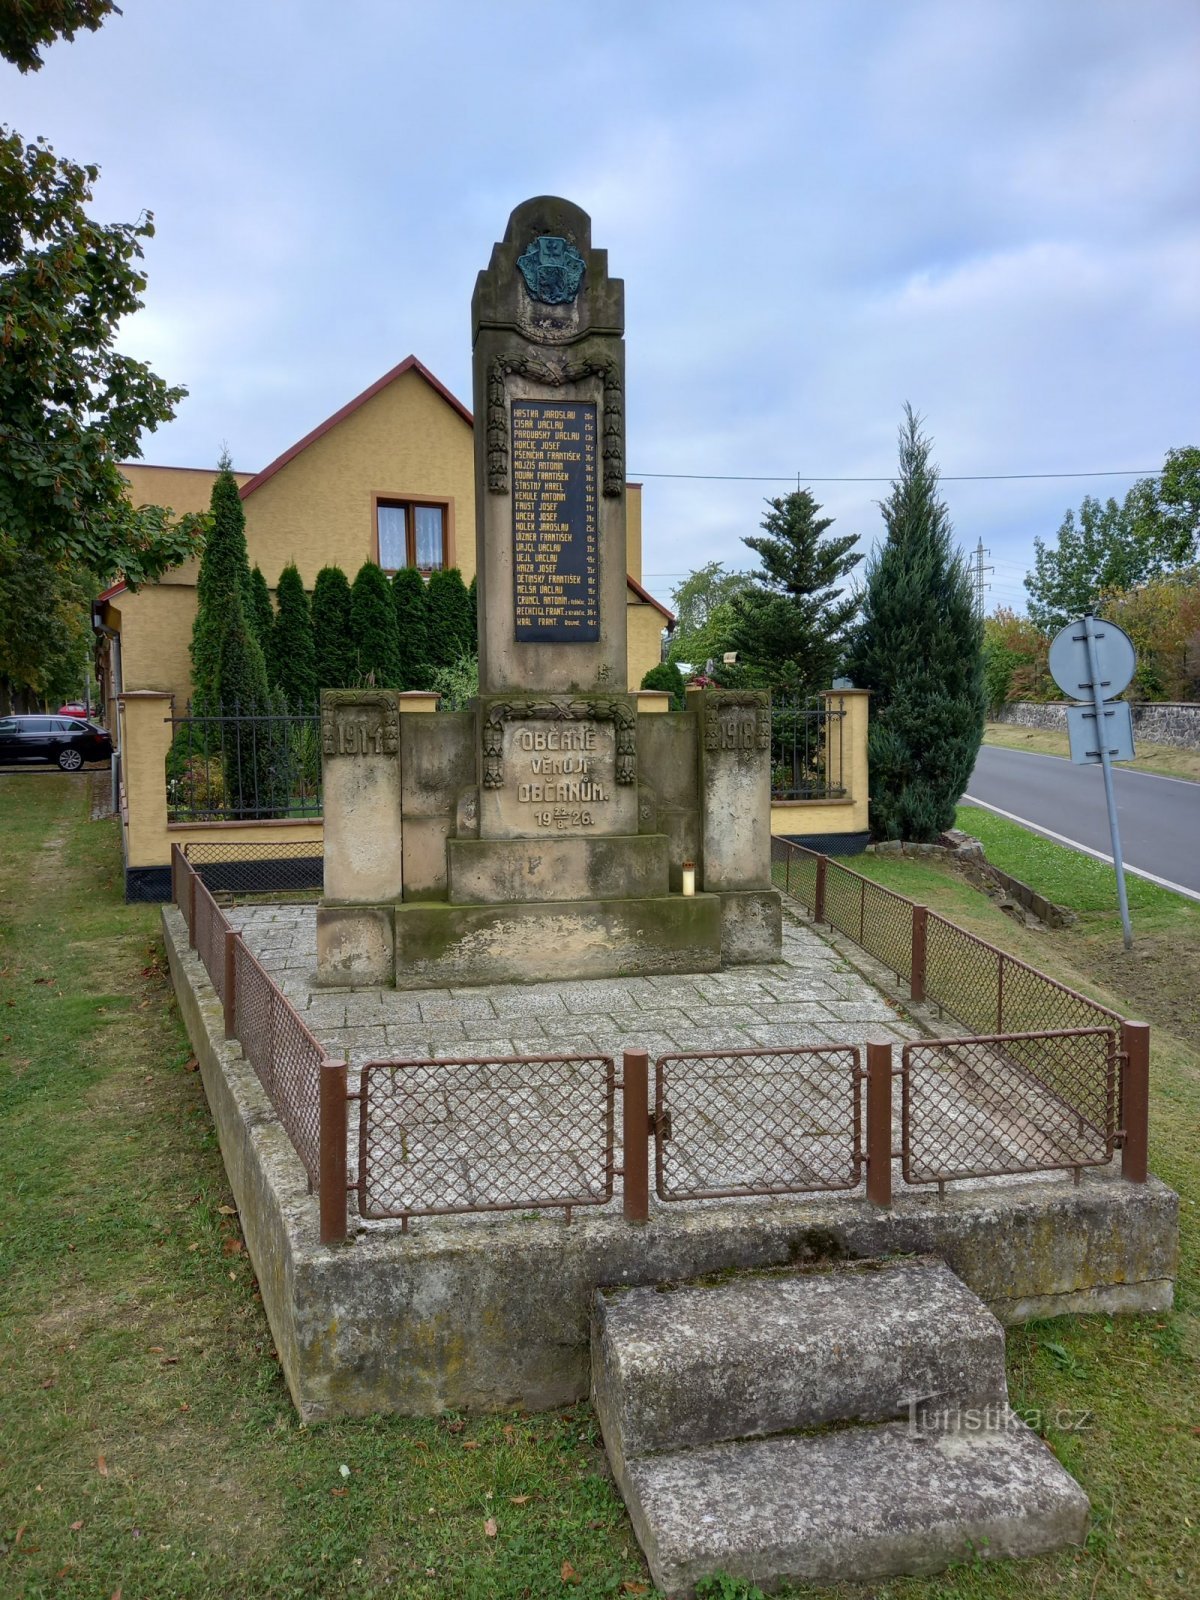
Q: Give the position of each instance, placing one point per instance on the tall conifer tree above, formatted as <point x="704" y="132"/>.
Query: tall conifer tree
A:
<point x="373" y="626"/>
<point x="790" y="621"/>
<point x="412" y="628"/>
<point x="293" y="651"/>
<point x="223" y="578"/>
<point x="918" y="648"/>
<point x="451" y="623"/>
<point x="241" y="692"/>
<point x="333" y="636"/>
<point x="261" y="615"/>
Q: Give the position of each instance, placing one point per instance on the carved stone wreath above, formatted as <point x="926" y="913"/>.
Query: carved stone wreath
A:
<point x="757" y="701"/>
<point x="555" y="373"/>
<point x="618" y="712"/>
<point x="334" y="701"/>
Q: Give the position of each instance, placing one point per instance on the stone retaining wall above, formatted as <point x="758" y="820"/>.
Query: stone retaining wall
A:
<point x="1173" y="722"/>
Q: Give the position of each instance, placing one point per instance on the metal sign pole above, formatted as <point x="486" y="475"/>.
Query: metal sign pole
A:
<point x="1097" y="689"/>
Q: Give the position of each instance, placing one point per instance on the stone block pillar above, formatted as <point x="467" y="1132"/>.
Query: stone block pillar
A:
<point x="734" y="758"/>
<point x="360" y="746"/>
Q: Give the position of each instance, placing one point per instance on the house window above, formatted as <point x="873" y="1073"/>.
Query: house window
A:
<point x="410" y="535"/>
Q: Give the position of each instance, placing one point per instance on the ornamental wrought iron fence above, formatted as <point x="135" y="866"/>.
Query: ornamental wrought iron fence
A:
<point x="244" y="763"/>
<point x="806" y="747"/>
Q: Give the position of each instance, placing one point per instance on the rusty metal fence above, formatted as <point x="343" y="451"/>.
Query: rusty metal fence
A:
<point x="758" y="1122"/>
<point x="440" y="1138"/>
<point x="485" y="1134"/>
<point x="1010" y="1103"/>
<point x="977" y="983"/>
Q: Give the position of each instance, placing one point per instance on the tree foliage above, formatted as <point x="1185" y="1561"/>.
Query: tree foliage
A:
<point x="373" y="628"/>
<point x="790" y="621"/>
<point x="1118" y="544"/>
<point x="412" y="628"/>
<point x="293" y="648"/>
<point x="45" y="633"/>
<point x="1015" y="660"/>
<point x="450" y="619"/>
<point x="71" y="407"/>
<point x="260" y="614"/>
<point x="336" y="661"/>
<point x="667" y="678"/>
<point x="26" y="26"/>
<point x="241" y="693"/>
<point x="1162" y="617"/>
<point x="224" y="578"/>
<point x="704" y="614"/>
<point x="918" y="649"/>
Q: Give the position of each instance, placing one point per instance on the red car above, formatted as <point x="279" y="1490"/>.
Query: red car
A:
<point x="75" y="709"/>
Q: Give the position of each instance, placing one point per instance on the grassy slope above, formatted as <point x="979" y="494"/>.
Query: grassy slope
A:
<point x="149" y="1443"/>
<point x="1164" y="759"/>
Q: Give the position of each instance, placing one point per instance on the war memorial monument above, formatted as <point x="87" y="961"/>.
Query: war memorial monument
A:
<point x="427" y="1180"/>
<point x="543" y="833"/>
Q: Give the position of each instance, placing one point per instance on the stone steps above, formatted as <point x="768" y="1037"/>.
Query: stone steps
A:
<point x="852" y="1505"/>
<point x="751" y="1425"/>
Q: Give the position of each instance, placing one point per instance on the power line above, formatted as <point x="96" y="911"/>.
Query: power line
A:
<point x="943" y="477"/>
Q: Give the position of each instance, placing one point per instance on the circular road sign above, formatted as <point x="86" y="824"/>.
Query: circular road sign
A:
<point x="1069" y="666"/>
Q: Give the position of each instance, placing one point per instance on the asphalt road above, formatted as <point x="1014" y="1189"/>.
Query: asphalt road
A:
<point x="1159" y="818"/>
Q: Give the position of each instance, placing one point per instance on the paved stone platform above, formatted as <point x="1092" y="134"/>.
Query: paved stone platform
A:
<point x="811" y="996"/>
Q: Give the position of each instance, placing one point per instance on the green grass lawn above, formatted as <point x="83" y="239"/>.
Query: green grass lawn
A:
<point x="149" y="1445"/>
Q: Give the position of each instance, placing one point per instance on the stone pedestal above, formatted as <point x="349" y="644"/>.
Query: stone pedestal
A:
<point x="360" y="745"/>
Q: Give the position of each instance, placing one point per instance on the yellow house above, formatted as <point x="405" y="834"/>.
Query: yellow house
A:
<point x="388" y="478"/>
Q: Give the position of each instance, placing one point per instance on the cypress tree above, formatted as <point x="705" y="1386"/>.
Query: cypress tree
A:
<point x="451" y="626"/>
<point x="918" y="648"/>
<point x="373" y="628"/>
<point x="294" y="651"/>
<point x="473" y="609"/>
<point x="224" y="576"/>
<point x="336" y="663"/>
<point x="412" y="628"/>
<point x="243" y="696"/>
<point x="261" y="615"/>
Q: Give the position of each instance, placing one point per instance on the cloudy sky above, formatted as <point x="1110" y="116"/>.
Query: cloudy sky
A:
<point x="821" y="209"/>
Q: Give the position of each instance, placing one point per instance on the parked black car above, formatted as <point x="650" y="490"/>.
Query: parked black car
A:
<point x="68" y="740"/>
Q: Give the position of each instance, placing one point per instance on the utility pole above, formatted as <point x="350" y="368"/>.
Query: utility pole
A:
<point x="977" y="571"/>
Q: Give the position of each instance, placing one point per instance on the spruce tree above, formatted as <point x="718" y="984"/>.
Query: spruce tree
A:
<point x="242" y="694"/>
<point x="451" y="624"/>
<point x="336" y="662"/>
<point x="293" y="649"/>
<point x="223" y="578"/>
<point x="373" y="628"/>
<point x="790" y="620"/>
<point x="261" y="615"/>
<point x="918" y="648"/>
<point x="412" y="628"/>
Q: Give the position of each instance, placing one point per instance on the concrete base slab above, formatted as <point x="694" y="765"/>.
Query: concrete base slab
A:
<point x="442" y="946"/>
<point x="490" y="1312"/>
<point x="766" y="1354"/>
<point x="852" y="1505"/>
